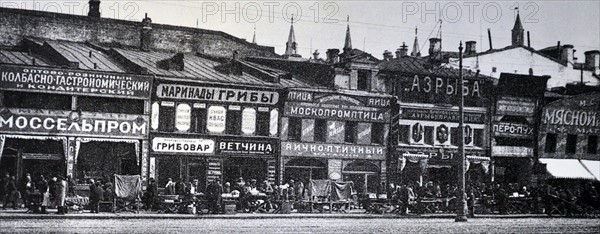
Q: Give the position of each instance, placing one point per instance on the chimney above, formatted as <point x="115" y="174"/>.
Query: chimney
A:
<point x="333" y="55"/>
<point x="470" y="47"/>
<point x="566" y="54"/>
<point x="94" y="8"/>
<point x="316" y="55"/>
<point x="402" y="51"/>
<point x="592" y="61"/>
<point x="387" y="55"/>
<point x="146" y="34"/>
<point x="435" y="46"/>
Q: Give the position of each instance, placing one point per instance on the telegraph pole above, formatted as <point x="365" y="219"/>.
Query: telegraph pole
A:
<point x="462" y="202"/>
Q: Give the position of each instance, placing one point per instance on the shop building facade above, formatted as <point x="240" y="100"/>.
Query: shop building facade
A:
<point x="76" y="121"/>
<point x="424" y="131"/>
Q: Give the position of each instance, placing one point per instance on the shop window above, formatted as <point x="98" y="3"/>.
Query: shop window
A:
<point x="363" y="80"/>
<point x="429" y="135"/>
<point x="198" y="120"/>
<point x="167" y="117"/>
<point x="377" y="133"/>
<point x="111" y="105"/>
<point x="263" y="119"/>
<point x="550" y="146"/>
<point x="37" y="100"/>
<point x="320" y="130"/>
<point x="592" y="144"/>
<point x="404" y="134"/>
<point x="478" y="137"/>
<point x="233" y="124"/>
<point x="295" y="128"/>
<point x="454" y="138"/>
<point x="571" y="146"/>
<point x="350" y="132"/>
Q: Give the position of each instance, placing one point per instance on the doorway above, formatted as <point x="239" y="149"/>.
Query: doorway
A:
<point x="305" y="170"/>
<point x="364" y="175"/>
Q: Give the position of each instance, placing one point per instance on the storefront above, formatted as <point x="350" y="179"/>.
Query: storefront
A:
<point x="338" y="136"/>
<point x="61" y="122"/>
<point x="213" y="132"/>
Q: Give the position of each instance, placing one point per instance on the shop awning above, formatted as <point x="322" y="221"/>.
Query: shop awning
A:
<point x="593" y="167"/>
<point x="566" y="169"/>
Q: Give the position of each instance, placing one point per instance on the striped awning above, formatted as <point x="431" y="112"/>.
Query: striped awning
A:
<point x="567" y="169"/>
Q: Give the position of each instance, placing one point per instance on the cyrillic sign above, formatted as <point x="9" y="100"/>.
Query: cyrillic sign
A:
<point x="249" y="121"/>
<point x="514" y="130"/>
<point x="301" y="149"/>
<point x="442" y="90"/>
<point x="357" y="113"/>
<point x="248" y="148"/>
<point x="515" y="106"/>
<point x="199" y="93"/>
<point x="305" y="96"/>
<point x="56" y="122"/>
<point x="76" y="82"/>
<point x="215" y="119"/>
<point x="441" y="115"/>
<point x="183" y="117"/>
<point x="183" y="145"/>
<point x="577" y="115"/>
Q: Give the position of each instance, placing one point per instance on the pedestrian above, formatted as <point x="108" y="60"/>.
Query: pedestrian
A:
<point x="180" y="188"/>
<point x="109" y="194"/>
<point x="42" y="186"/>
<point x="71" y="184"/>
<point x="3" y="187"/>
<point x="61" y="194"/>
<point x="299" y="190"/>
<point x="170" y="187"/>
<point x="227" y="187"/>
<point x="52" y="184"/>
<point x="151" y="194"/>
<point x="12" y="194"/>
<point x="96" y="196"/>
<point x="214" y="191"/>
<point x="27" y="188"/>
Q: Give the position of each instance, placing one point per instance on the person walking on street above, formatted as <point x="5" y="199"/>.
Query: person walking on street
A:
<point x="42" y="186"/>
<point x="214" y="191"/>
<point x="61" y="194"/>
<point x="3" y="189"/>
<point x="151" y="194"/>
<point x="12" y="194"/>
<point x="27" y="188"/>
<point x="96" y="196"/>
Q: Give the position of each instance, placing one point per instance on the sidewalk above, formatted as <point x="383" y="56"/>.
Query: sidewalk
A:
<point x="352" y="214"/>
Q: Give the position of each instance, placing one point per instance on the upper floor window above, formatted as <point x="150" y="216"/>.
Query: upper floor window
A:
<point x="377" y="133"/>
<point x="110" y="105"/>
<point x="263" y="118"/>
<point x="350" y="132"/>
<point x="364" y="76"/>
<point x="571" y="146"/>
<point x="233" y="124"/>
<point x="294" y="128"/>
<point x="403" y="134"/>
<point x="550" y="146"/>
<point x="320" y="130"/>
<point x="592" y="144"/>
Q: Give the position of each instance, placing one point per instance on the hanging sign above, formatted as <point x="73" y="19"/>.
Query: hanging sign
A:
<point x="215" y="119"/>
<point x="274" y="123"/>
<point x="249" y="121"/>
<point x="183" y="116"/>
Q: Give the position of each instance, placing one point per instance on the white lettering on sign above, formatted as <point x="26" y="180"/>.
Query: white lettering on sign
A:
<point x="215" y="119"/>
<point x="332" y="150"/>
<point x="336" y="113"/>
<point x="571" y="118"/>
<point x="183" y="117"/>
<point x="245" y="147"/>
<point x="519" y="129"/>
<point x="378" y="102"/>
<point x="183" y="145"/>
<point x="274" y="122"/>
<point x="300" y="96"/>
<point x="216" y="94"/>
<point x="22" y="121"/>
<point x="249" y="121"/>
<point x="447" y="86"/>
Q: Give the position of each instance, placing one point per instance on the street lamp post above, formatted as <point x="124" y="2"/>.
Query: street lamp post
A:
<point x="462" y="202"/>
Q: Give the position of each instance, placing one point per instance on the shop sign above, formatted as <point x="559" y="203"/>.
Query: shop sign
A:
<point x="72" y="123"/>
<point x="301" y="149"/>
<point x="183" y="117"/>
<point x="514" y="130"/>
<point x="200" y="93"/>
<point x="274" y="122"/>
<point x="512" y="151"/>
<point x="154" y="119"/>
<point x="215" y="119"/>
<point x="249" y="121"/>
<point x="441" y="115"/>
<point x="440" y="154"/>
<point x="302" y="96"/>
<point x="183" y="145"/>
<point x="515" y="106"/>
<point x="336" y="112"/>
<point x="442" y="90"/>
<point x="74" y="82"/>
<point x="35" y="156"/>
<point x="572" y="120"/>
<point x="244" y="147"/>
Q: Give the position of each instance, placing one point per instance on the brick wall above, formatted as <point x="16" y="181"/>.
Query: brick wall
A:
<point x="15" y="24"/>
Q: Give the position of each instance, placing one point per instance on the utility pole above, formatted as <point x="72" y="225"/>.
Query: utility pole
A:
<point x="461" y="212"/>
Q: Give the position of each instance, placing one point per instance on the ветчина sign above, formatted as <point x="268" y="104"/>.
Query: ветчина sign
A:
<point x="245" y="147"/>
<point x="72" y="123"/>
<point x="200" y="93"/>
<point x="183" y="145"/>
<point x="75" y="82"/>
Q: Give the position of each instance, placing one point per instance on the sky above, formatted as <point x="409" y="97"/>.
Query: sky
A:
<point x="375" y="25"/>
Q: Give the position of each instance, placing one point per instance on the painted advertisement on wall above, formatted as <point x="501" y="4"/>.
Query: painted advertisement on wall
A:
<point x="443" y="90"/>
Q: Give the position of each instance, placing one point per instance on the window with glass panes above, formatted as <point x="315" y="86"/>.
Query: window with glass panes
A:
<point x="350" y="132"/>
<point x="38" y="100"/>
<point x="166" y="116"/>
<point x="377" y="133"/>
<point x="263" y="120"/>
<point x="233" y="120"/>
<point x="320" y="130"/>
<point x="294" y="128"/>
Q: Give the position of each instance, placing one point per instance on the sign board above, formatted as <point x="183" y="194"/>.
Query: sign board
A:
<point x="439" y="155"/>
<point x="183" y="145"/>
<point x="183" y="117"/>
<point x="74" y="82"/>
<point x="215" y="119"/>
<point x="512" y="151"/>
<point x="274" y="122"/>
<point x="336" y="112"/>
<point x="443" y="90"/>
<point x="72" y="123"/>
<point x="513" y="130"/>
<point x="201" y="93"/>
<point x="576" y="115"/>
<point x="342" y="151"/>
<point x="227" y="147"/>
<point x="154" y="118"/>
<point x="441" y="115"/>
<point x="249" y="121"/>
<point x="516" y="106"/>
<point x="36" y="156"/>
<point x="306" y="96"/>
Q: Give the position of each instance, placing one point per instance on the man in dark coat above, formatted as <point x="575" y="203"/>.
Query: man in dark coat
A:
<point x="11" y="193"/>
<point x="3" y="187"/>
<point x="214" y="191"/>
<point x="180" y="188"/>
<point x="96" y="195"/>
<point x="151" y="194"/>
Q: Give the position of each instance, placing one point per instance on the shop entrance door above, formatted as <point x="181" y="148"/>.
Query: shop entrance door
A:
<point x="196" y="169"/>
<point x="8" y="162"/>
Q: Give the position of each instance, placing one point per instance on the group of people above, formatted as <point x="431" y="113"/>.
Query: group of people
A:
<point x="99" y="191"/>
<point x="36" y="196"/>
